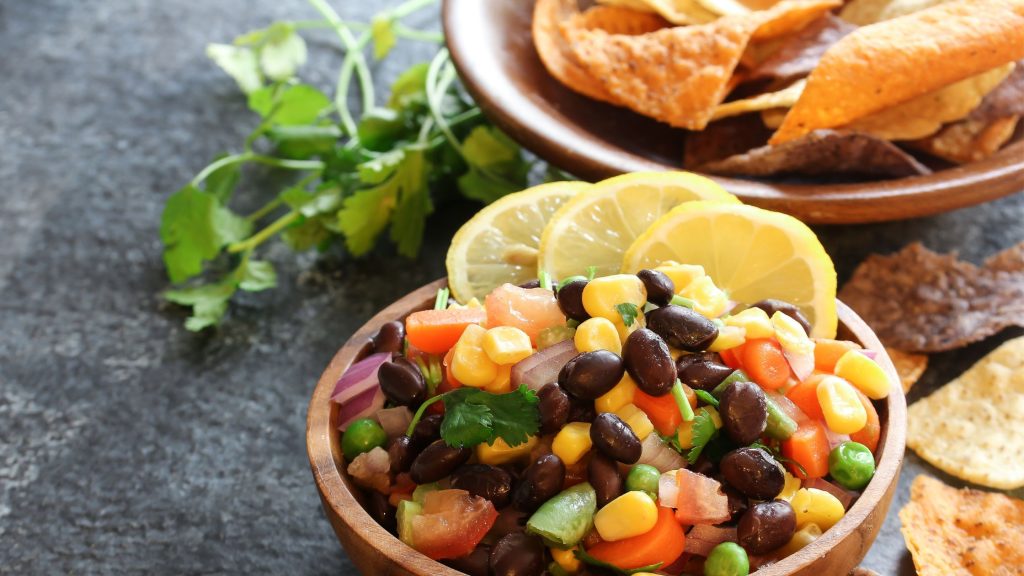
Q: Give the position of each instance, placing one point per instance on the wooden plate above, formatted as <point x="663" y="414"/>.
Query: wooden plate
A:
<point x="375" y="551"/>
<point x="492" y="48"/>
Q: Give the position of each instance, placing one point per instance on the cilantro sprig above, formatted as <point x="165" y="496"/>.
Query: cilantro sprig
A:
<point x="628" y="311"/>
<point x="473" y="416"/>
<point x="703" y="432"/>
<point x="360" y="171"/>
<point x="589" y="560"/>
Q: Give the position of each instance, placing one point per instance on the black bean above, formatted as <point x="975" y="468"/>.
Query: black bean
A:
<point x="649" y="362"/>
<point x="518" y="554"/>
<point x="402" y="382"/>
<point x="771" y="306"/>
<point x="509" y="520"/>
<point x="426" y="431"/>
<point x="766" y="526"/>
<point x="660" y="288"/>
<point x="570" y="300"/>
<point x="540" y="482"/>
<point x="615" y="438"/>
<point x="382" y="511"/>
<point x="581" y="410"/>
<point x="702" y="371"/>
<point x="535" y="283"/>
<point x="744" y="411"/>
<point x="437" y="461"/>
<point x="592" y="374"/>
<point x="705" y="466"/>
<point x="476" y="563"/>
<point x="553" y="408"/>
<point x="603" y="475"/>
<point x="753" y="472"/>
<point x="401" y="453"/>
<point x="485" y="481"/>
<point x="389" y="337"/>
<point x="737" y="502"/>
<point x="682" y="328"/>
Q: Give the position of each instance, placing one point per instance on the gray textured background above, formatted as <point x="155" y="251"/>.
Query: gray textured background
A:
<point x="130" y="445"/>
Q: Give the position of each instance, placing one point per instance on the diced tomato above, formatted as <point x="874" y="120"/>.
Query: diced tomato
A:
<point x="529" y="309"/>
<point x="828" y="352"/>
<point x="805" y="396"/>
<point x="452" y="523"/>
<point x="662" y="410"/>
<point x="765" y="363"/>
<point x="701" y="500"/>
<point x="808" y="447"/>
<point x="664" y="543"/>
<point x="436" y="331"/>
<point x="872" y="430"/>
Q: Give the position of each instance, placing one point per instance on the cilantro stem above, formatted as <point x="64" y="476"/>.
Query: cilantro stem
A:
<point x="436" y="89"/>
<point x="403" y="10"/>
<point x="354" y="52"/>
<point x="441" y="301"/>
<point x="348" y="65"/>
<point x="259" y="159"/>
<point x="419" y="413"/>
<point x="266" y="209"/>
<point x="684" y="405"/>
<point x="264" y="234"/>
<point x="401" y="30"/>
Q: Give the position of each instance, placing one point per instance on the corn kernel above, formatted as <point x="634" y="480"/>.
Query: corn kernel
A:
<point x="501" y="453"/>
<point x="636" y="419"/>
<point x="572" y="442"/>
<point x="754" y="321"/>
<point x="470" y="364"/>
<point x="681" y="274"/>
<point x="791" y="335"/>
<point x="800" y="538"/>
<point x="728" y="337"/>
<point x="708" y="299"/>
<point x="502" y="383"/>
<point x="789" y="488"/>
<point x="813" y="506"/>
<point x="507" y="344"/>
<point x="843" y="410"/>
<point x="566" y="559"/>
<point x="602" y="295"/>
<point x="864" y="373"/>
<point x="632" y="514"/>
<point x="618" y="396"/>
<point x="597" y="334"/>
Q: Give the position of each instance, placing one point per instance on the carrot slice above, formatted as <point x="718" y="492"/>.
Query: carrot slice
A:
<point x="436" y="331"/>
<point x="765" y="363"/>
<point x="662" y="410"/>
<point x="664" y="543"/>
<point x="805" y="396"/>
<point x="808" y="447"/>
<point x="729" y="357"/>
<point x="870" y="433"/>
<point x="828" y="352"/>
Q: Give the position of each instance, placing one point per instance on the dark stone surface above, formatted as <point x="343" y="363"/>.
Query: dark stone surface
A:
<point x="130" y="445"/>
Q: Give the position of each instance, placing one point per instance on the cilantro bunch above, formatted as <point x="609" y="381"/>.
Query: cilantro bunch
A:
<point x="356" y="176"/>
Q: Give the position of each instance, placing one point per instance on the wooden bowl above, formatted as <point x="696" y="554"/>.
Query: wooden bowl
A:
<point x="376" y="552"/>
<point x="491" y="45"/>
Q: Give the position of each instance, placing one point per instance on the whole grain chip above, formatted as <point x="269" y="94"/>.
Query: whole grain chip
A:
<point x="1006" y="100"/>
<point x="973" y="427"/>
<point x="950" y="531"/>
<point x="910" y="367"/>
<point x="888" y="63"/>
<point x="920" y="301"/>
<point x="800" y="53"/>
<point x="968" y="140"/>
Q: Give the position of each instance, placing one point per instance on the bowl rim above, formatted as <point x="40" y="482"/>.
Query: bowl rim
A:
<point x="323" y="447"/>
<point x="527" y="119"/>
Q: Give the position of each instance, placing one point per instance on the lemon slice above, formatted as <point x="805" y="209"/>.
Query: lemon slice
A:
<point x="595" y="228"/>
<point x="750" y="253"/>
<point x="499" y="244"/>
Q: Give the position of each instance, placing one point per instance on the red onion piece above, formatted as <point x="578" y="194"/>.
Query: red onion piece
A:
<point x="835" y="439"/>
<point x="394" y="421"/>
<point x="362" y="406"/>
<point x="359" y="377"/>
<point x="845" y="496"/>
<point x="801" y="364"/>
<point x="704" y="537"/>
<point x="542" y="368"/>
<point x="668" y="489"/>
<point x="656" y="453"/>
<point x="873" y="354"/>
<point x="701" y="500"/>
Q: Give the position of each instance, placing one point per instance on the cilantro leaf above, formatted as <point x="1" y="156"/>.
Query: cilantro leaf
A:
<point x="591" y="561"/>
<point x="703" y="431"/>
<point x="291" y="105"/>
<point x="238" y="62"/>
<point x="410" y="216"/>
<point x="364" y="215"/>
<point x="223" y="181"/>
<point x="706" y="397"/>
<point x="194" y="226"/>
<point x="283" y="52"/>
<point x="496" y="165"/>
<point x="256" y="275"/>
<point x="628" y="311"/>
<point x="208" y="302"/>
<point x="473" y="416"/>
<point x="382" y="31"/>
<point x="409" y="91"/>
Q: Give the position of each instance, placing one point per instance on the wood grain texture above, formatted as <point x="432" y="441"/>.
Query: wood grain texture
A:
<point x="491" y="46"/>
<point x="375" y="551"/>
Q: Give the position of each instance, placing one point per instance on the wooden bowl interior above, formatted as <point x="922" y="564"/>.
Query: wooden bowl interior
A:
<point x="492" y="48"/>
<point x="375" y="551"/>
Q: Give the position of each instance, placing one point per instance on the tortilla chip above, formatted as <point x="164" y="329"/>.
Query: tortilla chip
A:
<point x="799" y="54"/>
<point x="885" y="64"/>
<point x="920" y="301"/>
<point x="909" y="367"/>
<point x="1006" y="100"/>
<point x="680" y="12"/>
<point x="969" y="140"/>
<point x="616" y="20"/>
<point x="773" y="118"/>
<point x="923" y="116"/>
<point x="781" y="99"/>
<point x="554" y="51"/>
<point x="950" y="531"/>
<point x="788" y="17"/>
<point x="973" y="427"/>
<point x="822" y="152"/>
<point x="864" y="12"/>
<point x="678" y="75"/>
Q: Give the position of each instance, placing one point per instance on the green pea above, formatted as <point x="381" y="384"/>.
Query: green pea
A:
<point x="362" y="436"/>
<point x="727" y="559"/>
<point x="851" y="465"/>
<point x="645" y="478"/>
